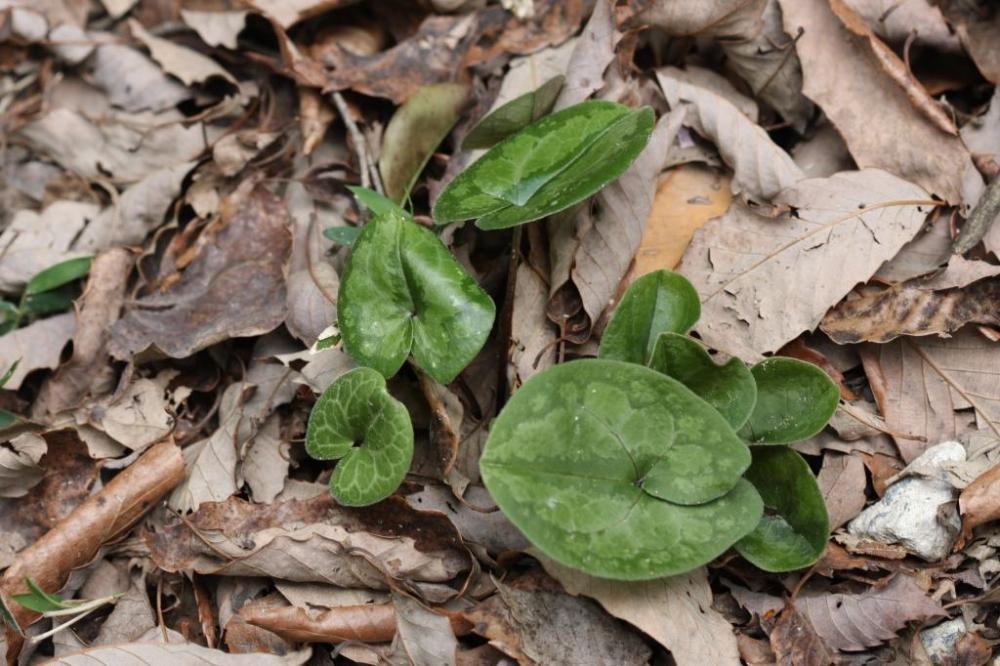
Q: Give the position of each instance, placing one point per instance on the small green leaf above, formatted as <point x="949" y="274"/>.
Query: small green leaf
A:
<point x="793" y="531"/>
<point x="41" y="601"/>
<point x="548" y="166"/>
<point x="9" y="373"/>
<point x="514" y="115"/>
<point x="414" y="131"/>
<point x="401" y="291"/>
<point x="729" y="387"/>
<point x="48" y="302"/>
<point x="343" y="235"/>
<point x="7" y="419"/>
<point x="8" y="617"/>
<point x="795" y="400"/>
<point x="375" y="202"/>
<point x="357" y="422"/>
<point x="618" y="470"/>
<point x="58" y="275"/>
<point x="658" y="302"/>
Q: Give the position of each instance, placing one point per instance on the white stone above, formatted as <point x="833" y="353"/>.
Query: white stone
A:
<point x="919" y="512"/>
<point x="940" y="640"/>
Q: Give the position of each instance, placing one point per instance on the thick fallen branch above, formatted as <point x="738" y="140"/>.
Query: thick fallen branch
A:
<point x="75" y="541"/>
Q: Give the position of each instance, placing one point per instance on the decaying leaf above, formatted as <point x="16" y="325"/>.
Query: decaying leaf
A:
<point x="857" y="621"/>
<point x="796" y="643"/>
<point x="234" y="287"/>
<point x="176" y="653"/>
<point x="19" y="469"/>
<point x="36" y="346"/>
<point x="423" y="637"/>
<point x="979" y="502"/>
<point x="34" y="241"/>
<point x="912" y="309"/>
<point x="921" y="382"/>
<point x="842" y="480"/>
<point x="764" y="281"/>
<point x="842" y="76"/>
<point x="187" y="65"/>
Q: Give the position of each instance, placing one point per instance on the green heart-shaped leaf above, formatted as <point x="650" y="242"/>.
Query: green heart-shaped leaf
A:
<point x="618" y="470"/>
<point x="658" y="302"/>
<point x="729" y="387"/>
<point x="795" y="400"/>
<point x="402" y="291"/>
<point x="793" y="531"/>
<point x="514" y="115"/>
<point x="357" y="422"/>
<point x="548" y="166"/>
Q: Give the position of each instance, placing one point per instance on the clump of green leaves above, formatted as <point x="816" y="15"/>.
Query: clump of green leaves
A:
<point x="653" y="459"/>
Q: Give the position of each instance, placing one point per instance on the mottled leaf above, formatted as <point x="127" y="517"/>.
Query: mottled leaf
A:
<point x="729" y="387"/>
<point x="658" y="302"/>
<point x="403" y="291"/>
<point x="619" y="471"/>
<point x="795" y="400"/>
<point x="548" y="166"/>
<point x="357" y="422"/>
<point x="794" y="528"/>
<point x="514" y="115"/>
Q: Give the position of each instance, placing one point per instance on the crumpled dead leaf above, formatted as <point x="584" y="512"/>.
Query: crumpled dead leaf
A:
<point x="842" y="481"/>
<point x="842" y="76"/>
<point x="19" y="468"/>
<point x="857" y="621"/>
<point x="176" y="653"/>
<point x="34" y="241"/>
<point x="676" y="611"/>
<point x="186" y="64"/>
<point x="234" y="287"/>
<point x="36" y="346"/>
<point x="979" y="503"/>
<point x="764" y="281"/>
<point x="312" y="540"/>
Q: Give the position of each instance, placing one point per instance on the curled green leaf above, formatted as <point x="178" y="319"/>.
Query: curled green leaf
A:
<point x="793" y="531"/>
<point x="618" y="470"/>
<point x="795" y="400"/>
<point x="357" y="422"/>
<point x="658" y="302"/>
<point x="403" y="292"/>
<point x="514" y="115"/>
<point x="729" y="387"/>
<point x="548" y="166"/>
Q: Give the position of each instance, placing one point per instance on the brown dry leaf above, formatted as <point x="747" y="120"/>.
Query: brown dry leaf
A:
<point x="19" y="468"/>
<point x="212" y="463"/>
<point x="842" y="481"/>
<point x="368" y="623"/>
<point x="687" y="197"/>
<point x="977" y="25"/>
<point x="234" y="151"/>
<point x="124" y="147"/>
<point x="289" y="12"/>
<point x="912" y="309"/>
<point x="844" y="78"/>
<point x="593" y="51"/>
<point x="979" y="503"/>
<point x="920" y="383"/>
<point x="132" y="81"/>
<point x="857" y="621"/>
<point x="961" y="272"/>
<point x="676" y="611"/>
<point x="822" y="154"/>
<point x="312" y="540"/>
<point x="532" y="346"/>
<point x="764" y="281"/>
<point x="132" y="616"/>
<point x="187" y="65"/>
<point x="312" y="280"/>
<point x="751" y="35"/>
<point x="894" y="66"/>
<point x="761" y="168"/>
<point x="591" y="252"/>
<point x="896" y="21"/>
<point x="34" y="241"/>
<point x="796" y="643"/>
<point x="36" y="346"/>
<point x="536" y="624"/>
<point x="143" y="653"/>
<point x="265" y="465"/>
<point x="423" y="637"/>
<point x="75" y="541"/>
<point x="87" y="372"/>
<point x="924" y="254"/>
<point x="216" y="28"/>
<point x="234" y="287"/>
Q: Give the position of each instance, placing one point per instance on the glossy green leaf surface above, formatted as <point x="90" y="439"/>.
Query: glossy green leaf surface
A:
<point x="795" y="400"/>
<point x="357" y="422"/>
<point x="793" y="532"/>
<point x="343" y="235"/>
<point x="729" y="387"/>
<point x="56" y="276"/>
<point x="48" y="302"/>
<point x="658" y="302"/>
<point x="403" y="292"/>
<point x="414" y="131"/>
<point x="514" y="115"/>
<point x="548" y="166"/>
<point x="618" y="470"/>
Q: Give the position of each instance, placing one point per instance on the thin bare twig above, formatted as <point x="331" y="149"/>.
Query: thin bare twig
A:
<point x="367" y="167"/>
